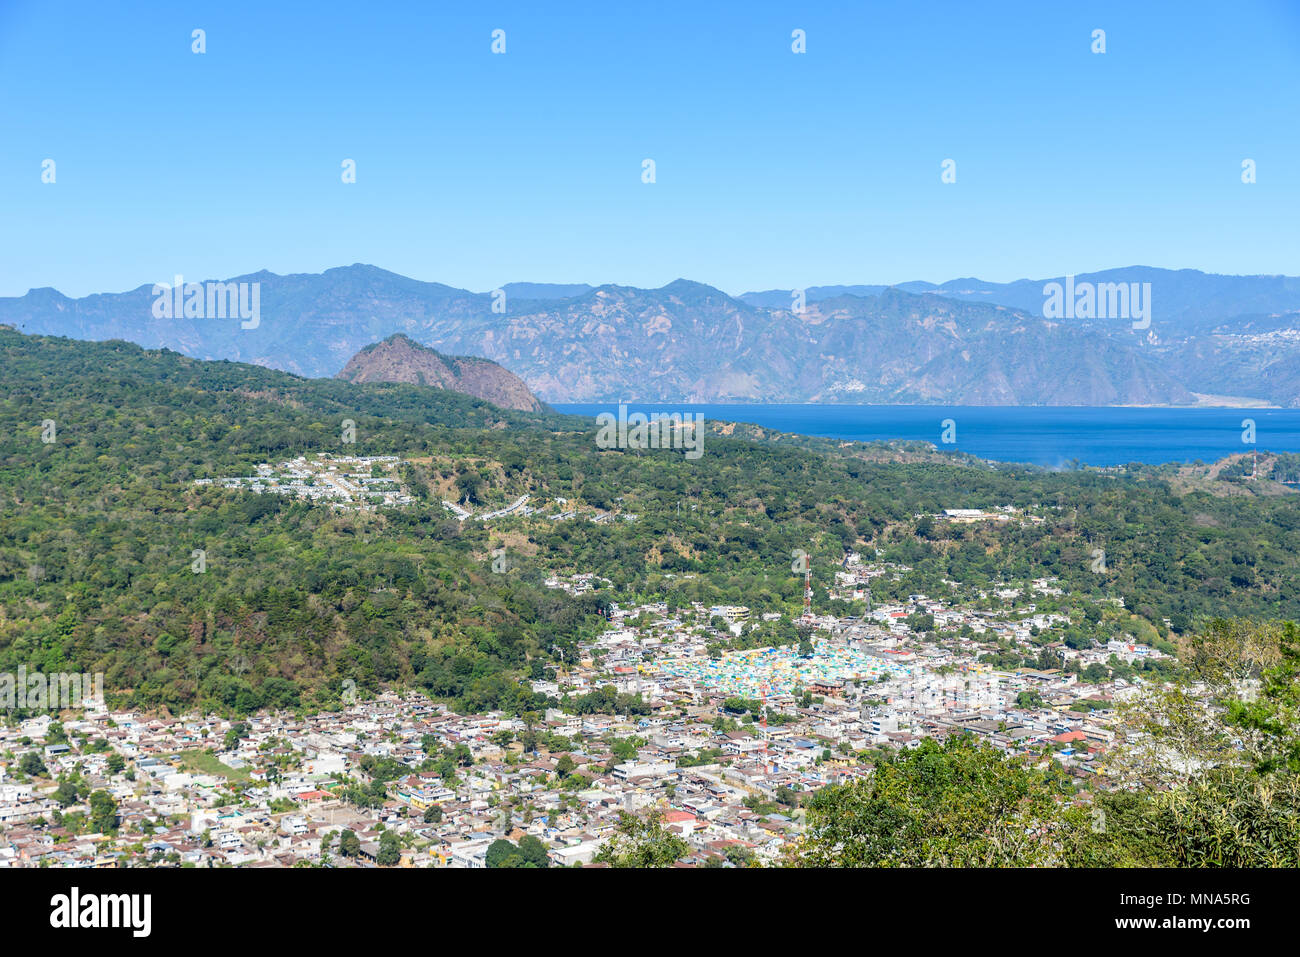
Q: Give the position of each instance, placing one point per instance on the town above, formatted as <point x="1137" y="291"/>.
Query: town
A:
<point x="344" y="482"/>
<point x="666" y="711"/>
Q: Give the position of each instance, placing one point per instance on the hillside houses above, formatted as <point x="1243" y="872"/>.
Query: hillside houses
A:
<point x="667" y="710"/>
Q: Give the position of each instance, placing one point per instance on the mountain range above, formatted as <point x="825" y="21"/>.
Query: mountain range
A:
<point x="1212" y="339"/>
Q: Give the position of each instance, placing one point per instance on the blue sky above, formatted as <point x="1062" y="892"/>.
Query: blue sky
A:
<point x="774" y="170"/>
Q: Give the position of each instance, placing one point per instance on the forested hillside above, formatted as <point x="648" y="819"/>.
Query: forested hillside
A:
<point x="100" y="524"/>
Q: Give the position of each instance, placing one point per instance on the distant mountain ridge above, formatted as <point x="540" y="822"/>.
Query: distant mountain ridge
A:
<point x="965" y="341"/>
<point x="1183" y="294"/>
<point x="400" y="359"/>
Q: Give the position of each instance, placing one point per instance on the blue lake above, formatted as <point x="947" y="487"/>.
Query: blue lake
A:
<point x="1049" y="436"/>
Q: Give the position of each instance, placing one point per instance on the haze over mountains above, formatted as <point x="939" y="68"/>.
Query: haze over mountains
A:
<point x="963" y="342"/>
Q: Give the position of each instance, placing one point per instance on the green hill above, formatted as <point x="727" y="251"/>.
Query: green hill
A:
<point x="100" y="525"/>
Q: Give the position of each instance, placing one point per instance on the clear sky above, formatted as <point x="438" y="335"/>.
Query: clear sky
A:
<point x="773" y="169"/>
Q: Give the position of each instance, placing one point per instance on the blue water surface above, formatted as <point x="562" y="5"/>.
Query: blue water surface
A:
<point x="1052" y="436"/>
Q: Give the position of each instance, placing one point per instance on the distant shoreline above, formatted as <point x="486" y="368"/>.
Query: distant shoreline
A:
<point x="1048" y="436"/>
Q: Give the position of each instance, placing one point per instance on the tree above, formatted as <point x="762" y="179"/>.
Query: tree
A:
<point x="957" y="804"/>
<point x="470" y="485"/>
<point x="233" y="735"/>
<point x="1272" y="718"/>
<point x="349" y="844"/>
<point x="116" y="763"/>
<point x="1233" y="651"/>
<point x="66" y="794"/>
<point x="1209" y="771"/>
<point x="739" y="856"/>
<point x="533" y="851"/>
<point x="32" y="765"/>
<point x="641" y="842"/>
<point x="1166" y="736"/>
<point x="390" y="850"/>
<point x="432" y="814"/>
<point x="564" y="767"/>
<point x="103" y="812"/>
<point x="1029" y="699"/>
<point x="1225" y="817"/>
<point x="625" y="749"/>
<point x="500" y="852"/>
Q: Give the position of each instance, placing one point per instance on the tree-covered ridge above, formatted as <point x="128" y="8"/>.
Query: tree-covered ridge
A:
<point x="99" y="526"/>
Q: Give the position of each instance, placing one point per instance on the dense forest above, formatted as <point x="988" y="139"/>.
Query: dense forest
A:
<point x="101" y="444"/>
